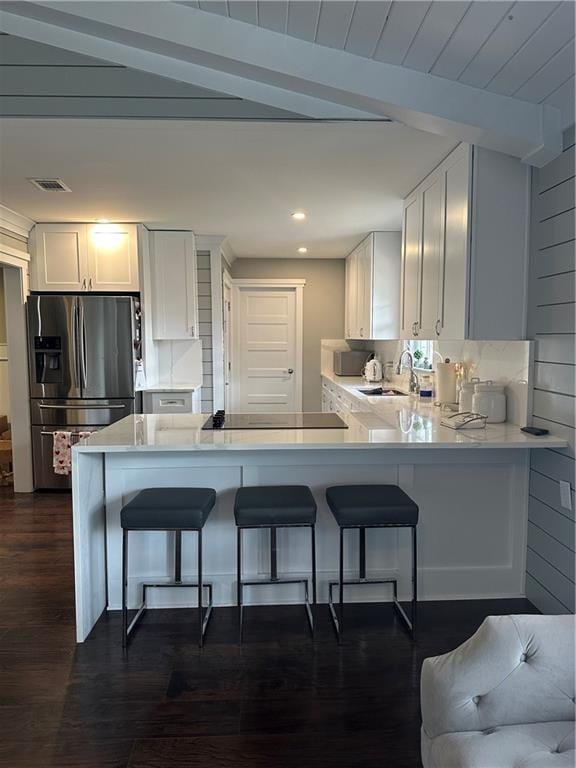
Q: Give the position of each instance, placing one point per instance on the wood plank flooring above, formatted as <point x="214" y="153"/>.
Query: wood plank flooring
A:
<point x="279" y="701"/>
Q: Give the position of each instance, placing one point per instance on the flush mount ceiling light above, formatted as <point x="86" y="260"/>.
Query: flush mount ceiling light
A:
<point x="299" y="215"/>
<point x="50" y="185"/>
<point x="102" y="221"/>
<point x="302" y="249"/>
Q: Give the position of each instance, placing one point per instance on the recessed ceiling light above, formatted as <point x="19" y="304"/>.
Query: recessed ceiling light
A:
<point x="302" y="250"/>
<point x="299" y="215"/>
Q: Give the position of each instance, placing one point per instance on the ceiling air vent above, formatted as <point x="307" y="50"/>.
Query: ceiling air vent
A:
<point x="50" y="185"/>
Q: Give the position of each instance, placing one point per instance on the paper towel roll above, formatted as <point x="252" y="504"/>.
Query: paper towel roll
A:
<point x="446" y="383"/>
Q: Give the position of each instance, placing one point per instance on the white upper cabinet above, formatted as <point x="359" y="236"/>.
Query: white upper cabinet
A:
<point x="112" y="257"/>
<point x="432" y="260"/>
<point x="59" y="258"/>
<point x="174" y="285"/>
<point x="373" y="288"/>
<point x="465" y="249"/>
<point x="411" y="225"/>
<point x="84" y="257"/>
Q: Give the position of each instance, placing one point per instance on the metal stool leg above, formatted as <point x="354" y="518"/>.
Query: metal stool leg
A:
<point x="313" y="537"/>
<point x="239" y="580"/>
<point x="362" y="553"/>
<point x="341" y="584"/>
<point x="124" y="588"/>
<point x="273" y="554"/>
<point x="200" y="593"/>
<point x="178" y="556"/>
<point x="414" y="582"/>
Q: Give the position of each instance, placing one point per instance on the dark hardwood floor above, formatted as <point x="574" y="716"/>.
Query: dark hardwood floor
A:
<point x="279" y="701"/>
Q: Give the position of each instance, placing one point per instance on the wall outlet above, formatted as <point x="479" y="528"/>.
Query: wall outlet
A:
<point x="565" y="495"/>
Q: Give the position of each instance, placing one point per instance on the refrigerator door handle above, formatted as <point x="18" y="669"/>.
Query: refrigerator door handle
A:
<point x="83" y="367"/>
<point x="74" y="325"/>
<point x="84" y="407"/>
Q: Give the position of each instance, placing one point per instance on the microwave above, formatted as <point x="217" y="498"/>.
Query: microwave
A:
<point x="350" y="362"/>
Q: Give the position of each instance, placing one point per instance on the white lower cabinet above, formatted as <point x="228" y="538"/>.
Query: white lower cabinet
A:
<point x="465" y="249"/>
<point x="174" y="285"/>
<point x="170" y="401"/>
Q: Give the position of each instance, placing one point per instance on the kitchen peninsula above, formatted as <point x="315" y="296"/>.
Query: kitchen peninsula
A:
<point x="471" y="488"/>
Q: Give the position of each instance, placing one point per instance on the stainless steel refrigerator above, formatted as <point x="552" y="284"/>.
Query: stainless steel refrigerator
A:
<point x="82" y="351"/>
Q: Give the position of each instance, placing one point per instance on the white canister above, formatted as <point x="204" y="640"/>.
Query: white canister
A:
<point x="489" y="399"/>
<point x="445" y="383"/>
<point x="465" y="394"/>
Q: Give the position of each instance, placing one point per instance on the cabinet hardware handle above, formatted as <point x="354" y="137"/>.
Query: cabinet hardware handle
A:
<point x="191" y="330"/>
<point x="91" y="407"/>
<point x="290" y="371"/>
<point x="415" y="328"/>
<point x="90" y="284"/>
<point x="438" y="327"/>
<point x="361" y="331"/>
<point x="84" y="284"/>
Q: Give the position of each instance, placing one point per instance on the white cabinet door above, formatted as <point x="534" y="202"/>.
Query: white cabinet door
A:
<point x="59" y="258"/>
<point x="432" y="257"/>
<point x="112" y="257"/>
<point x="455" y="281"/>
<point x="352" y="325"/>
<point x="364" y="288"/>
<point x="174" y="281"/>
<point x="411" y="252"/>
<point x="268" y="378"/>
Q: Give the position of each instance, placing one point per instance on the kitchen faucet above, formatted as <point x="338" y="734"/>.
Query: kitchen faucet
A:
<point x="414" y="386"/>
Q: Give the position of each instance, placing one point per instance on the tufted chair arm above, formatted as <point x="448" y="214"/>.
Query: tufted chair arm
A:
<point x="514" y="669"/>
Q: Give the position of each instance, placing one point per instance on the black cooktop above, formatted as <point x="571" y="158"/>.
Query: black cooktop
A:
<point x="222" y="420"/>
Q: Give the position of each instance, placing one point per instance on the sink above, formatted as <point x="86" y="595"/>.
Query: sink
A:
<point x="381" y="392"/>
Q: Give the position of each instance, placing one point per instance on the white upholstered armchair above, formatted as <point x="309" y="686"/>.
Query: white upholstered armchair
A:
<point x="504" y="698"/>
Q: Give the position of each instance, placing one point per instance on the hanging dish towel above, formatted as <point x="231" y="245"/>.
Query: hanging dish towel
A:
<point x="61" y="453"/>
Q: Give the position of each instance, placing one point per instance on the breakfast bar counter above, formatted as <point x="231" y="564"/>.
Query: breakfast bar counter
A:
<point x="471" y="487"/>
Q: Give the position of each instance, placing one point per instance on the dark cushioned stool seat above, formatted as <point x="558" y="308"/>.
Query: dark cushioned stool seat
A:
<point x="269" y="505"/>
<point x="366" y="505"/>
<point x="166" y="508"/>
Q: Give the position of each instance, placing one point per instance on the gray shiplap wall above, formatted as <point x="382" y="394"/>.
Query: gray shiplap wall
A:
<point x="38" y="80"/>
<point x="205" y="323"/>
<point x="551" y="526"/>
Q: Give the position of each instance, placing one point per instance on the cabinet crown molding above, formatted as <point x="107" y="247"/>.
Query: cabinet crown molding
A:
<point x="15" y="222"/>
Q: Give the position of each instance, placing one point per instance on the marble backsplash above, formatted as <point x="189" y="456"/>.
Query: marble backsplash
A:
<point x="506" y="362"/>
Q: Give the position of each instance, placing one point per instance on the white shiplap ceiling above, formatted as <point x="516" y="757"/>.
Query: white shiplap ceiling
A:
<point x="523" y="49"/>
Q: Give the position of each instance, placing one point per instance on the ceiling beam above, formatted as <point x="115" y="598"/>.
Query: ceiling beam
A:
<point x="244" y="60"/>
<point x="37" y="28"/>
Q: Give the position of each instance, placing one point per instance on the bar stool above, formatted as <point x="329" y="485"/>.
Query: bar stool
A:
<point x="372" y="506"/>
<point x="273" y="507"/>
<point x="167" y="509"/>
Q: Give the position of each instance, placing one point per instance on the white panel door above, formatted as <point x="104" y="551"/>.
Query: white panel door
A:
<point x="264" y="369"/>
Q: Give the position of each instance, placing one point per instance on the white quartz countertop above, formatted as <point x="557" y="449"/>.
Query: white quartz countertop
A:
<point x="400" y="424"/>
<point x="172" y="388"/>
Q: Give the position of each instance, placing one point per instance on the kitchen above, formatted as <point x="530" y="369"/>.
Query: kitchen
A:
<point x="238" y="306"/>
